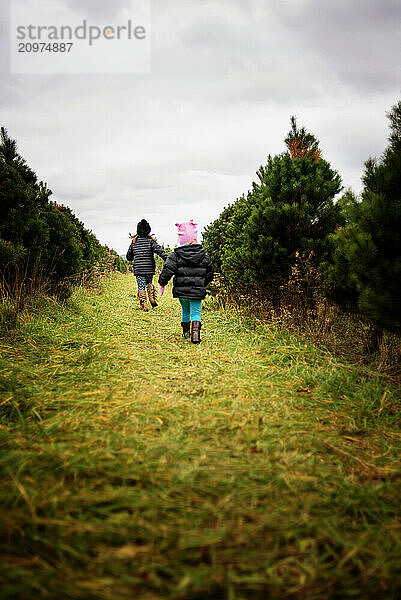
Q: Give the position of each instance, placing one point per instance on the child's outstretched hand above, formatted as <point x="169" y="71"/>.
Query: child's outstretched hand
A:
<point x="161" y="289"/>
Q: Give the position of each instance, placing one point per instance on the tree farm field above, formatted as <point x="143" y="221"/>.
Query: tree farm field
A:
<point x="137" y="465"/>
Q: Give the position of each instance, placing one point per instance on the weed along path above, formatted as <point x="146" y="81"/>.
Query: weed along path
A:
<point x="137" y="465"/>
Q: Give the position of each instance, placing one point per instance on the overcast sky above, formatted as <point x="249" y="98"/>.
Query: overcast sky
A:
<point x="186" y="139"/>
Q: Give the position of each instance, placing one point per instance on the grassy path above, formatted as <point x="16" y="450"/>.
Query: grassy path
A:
<point x="136" y="465"/>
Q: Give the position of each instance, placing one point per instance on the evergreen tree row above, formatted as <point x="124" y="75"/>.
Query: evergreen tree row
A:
<point x="293" y="214"/>
<point x="39" y="239"/>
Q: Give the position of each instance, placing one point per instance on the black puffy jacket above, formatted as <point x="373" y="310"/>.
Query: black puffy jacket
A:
<point x="192" y="270"/>
<point x="142" y="253"/>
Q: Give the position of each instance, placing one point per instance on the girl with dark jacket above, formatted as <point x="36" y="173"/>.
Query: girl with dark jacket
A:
<point x="141" y="251"/>
<point x="193" y="271"/>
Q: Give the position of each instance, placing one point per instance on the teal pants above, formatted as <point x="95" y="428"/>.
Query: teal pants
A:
<point x="191" y="310"/>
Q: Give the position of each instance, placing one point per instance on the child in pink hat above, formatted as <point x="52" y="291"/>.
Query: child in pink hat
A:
<point x="193" y="271"/>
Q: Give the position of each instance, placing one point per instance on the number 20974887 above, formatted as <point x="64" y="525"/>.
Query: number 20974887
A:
<point x="45" y="47"/>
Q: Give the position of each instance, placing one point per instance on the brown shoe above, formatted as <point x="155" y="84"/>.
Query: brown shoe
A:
<point x="186" y="329"/>
<point x="195" y="333"/>
<point x="142" y="300"/>
<point x="151" y="294"/>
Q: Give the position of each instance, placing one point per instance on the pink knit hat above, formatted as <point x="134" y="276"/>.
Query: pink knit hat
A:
<point x="187" y="233"/>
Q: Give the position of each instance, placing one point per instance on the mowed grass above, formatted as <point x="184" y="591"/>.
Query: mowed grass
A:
<point x="137" y="465"/>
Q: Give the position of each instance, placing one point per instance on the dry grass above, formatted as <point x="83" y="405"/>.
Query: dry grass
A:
<point x="304" y="312"/>
<point x="136" y="465"/>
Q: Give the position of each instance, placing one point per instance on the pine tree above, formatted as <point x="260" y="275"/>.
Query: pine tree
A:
<point x="294" y="210"/>
<point x="371" y="242"/>
<point x="21" y="205"/>
<point x="290" y="211"/>
<point x="339" y="285"/>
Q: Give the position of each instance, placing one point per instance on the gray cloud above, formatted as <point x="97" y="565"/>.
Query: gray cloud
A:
<point x="359" y="41"/>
